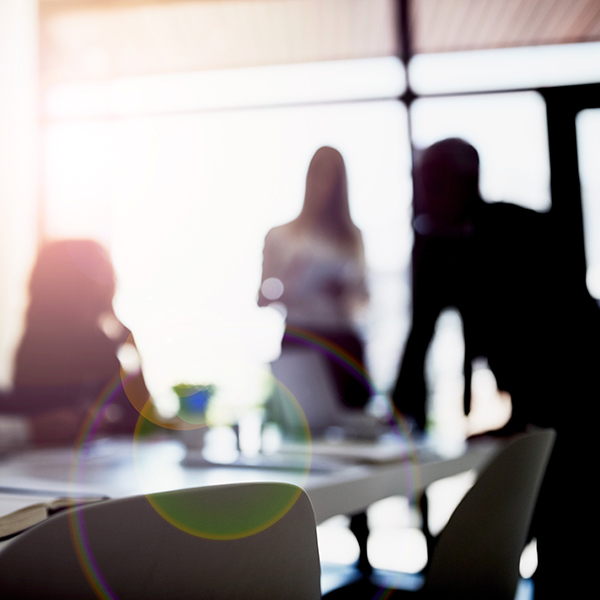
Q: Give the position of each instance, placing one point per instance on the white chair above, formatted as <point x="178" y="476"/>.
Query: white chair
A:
<point x="130" y="548"/>
<point x="307" y="376"/>
<point x="478" y="552"/>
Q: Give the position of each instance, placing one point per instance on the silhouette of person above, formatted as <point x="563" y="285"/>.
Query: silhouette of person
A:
<point x="492" y="262"/>
<point x="67" y="358"/>
<point x="525" y="309"/>
<point x="446" y="192"/>
<point x="315" y="267"/>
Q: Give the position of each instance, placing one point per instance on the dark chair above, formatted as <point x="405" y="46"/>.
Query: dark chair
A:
<point x="478" y="553"/>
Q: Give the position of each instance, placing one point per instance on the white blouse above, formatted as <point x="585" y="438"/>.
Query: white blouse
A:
<point x="320" y="285"/>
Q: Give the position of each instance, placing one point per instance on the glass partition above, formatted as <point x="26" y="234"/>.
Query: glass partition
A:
<point x="588" y="142"/>
<point x="509" y="132"/>
<point x="184" y="202"/>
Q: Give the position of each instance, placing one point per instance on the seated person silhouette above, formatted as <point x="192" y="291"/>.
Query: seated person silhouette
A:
<point x="67" y="360"/>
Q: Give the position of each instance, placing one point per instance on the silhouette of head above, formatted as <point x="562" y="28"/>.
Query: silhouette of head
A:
<point x="72" y="281"/>
<point x="447" y="186"/>
<point x="326" y="207"/>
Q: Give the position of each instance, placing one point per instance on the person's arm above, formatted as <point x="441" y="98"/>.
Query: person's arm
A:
<point x="52" y="427"/>
<point x="361" y="290"/>
<point x="15" y="431"/>
<point x="134" y="397"/>
<point x="60" y="426"/>
<point x="271" y="286"/>
<point x="355" y="286"/>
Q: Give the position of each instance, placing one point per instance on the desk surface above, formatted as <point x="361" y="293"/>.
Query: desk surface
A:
<point x="118" y="468"/>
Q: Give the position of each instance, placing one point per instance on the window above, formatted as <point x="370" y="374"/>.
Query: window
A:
<point x="588" y="141"/>
<point x="184" y="200"/>
<point x="509" y="132"/>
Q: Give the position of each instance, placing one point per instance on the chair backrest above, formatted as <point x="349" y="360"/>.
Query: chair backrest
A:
<point x="307" y="376"/>
<point x="304" y="372"/>
<point x="478" y="552"/>
<point x="259" y="542"/>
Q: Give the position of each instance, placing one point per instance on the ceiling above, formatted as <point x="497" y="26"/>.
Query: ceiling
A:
<point x="452" y="25"/>
<point x="84" y="40"/>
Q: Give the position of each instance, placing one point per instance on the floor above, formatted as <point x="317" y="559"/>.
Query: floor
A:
<point x="334" y="576"/>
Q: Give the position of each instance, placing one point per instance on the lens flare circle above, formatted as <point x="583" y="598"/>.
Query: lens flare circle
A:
<point x="213" y="523"/>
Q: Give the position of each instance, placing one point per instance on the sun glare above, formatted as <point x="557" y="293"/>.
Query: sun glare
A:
<point x="184" y="202"/>
<point x="183" y="195"/>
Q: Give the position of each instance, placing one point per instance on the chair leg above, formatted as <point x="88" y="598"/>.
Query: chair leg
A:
<point x="430" y="539"/>
<point x="360" y="528"/>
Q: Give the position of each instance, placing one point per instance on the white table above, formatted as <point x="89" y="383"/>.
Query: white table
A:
<point x="118" y="468"/>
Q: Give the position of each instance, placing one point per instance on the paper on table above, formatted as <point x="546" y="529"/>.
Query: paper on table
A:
<point x="10" y="503"/>
<point x="357" y="452"/>
<point x="21" y="511"/>
<point x="38" y="486"/>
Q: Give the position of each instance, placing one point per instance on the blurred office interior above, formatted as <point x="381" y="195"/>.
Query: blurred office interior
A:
<point x="178" y="132"/>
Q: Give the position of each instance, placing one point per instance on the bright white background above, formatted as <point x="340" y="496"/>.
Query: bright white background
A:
<point x="184" y="200"/>
<point x="184" y="203"/>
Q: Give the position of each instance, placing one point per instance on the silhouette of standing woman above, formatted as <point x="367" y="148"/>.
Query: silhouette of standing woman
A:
<point x="314" y="266"/>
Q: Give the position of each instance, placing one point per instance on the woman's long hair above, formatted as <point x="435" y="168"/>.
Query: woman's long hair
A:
<point x="326" y="210"/>
<point x="73" y="281"/>
<point x="71" y="287"/>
